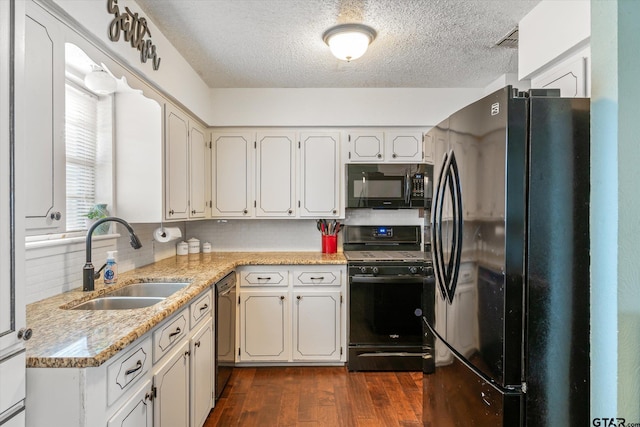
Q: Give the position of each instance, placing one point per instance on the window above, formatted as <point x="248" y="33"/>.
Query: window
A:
<point x="88" y="136"/>
<point x="81" y="111"/>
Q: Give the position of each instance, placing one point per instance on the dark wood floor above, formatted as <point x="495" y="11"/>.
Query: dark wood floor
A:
<point x="318" y="396"/>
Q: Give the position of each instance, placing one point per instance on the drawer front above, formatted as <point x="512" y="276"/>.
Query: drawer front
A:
<point x="166" y="336"/>
<point x="201" y="308"/>
<point x="317" y="276"/>
<point x="264" y="278"/>
<point x="127" y="369"/>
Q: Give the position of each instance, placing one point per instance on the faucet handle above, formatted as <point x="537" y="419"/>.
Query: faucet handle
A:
<point x="96" y="275"/>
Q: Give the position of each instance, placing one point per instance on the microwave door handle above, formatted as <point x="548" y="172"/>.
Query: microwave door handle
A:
<point x="407" y="188"/>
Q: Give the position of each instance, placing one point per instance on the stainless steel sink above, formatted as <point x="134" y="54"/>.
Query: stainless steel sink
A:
<point x="149" y="289"/>
<point x="118" y="303"/>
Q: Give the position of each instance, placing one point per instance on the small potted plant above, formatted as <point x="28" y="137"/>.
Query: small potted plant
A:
<point x="95" y="213"/>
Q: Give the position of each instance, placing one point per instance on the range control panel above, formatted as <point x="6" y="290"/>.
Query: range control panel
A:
<point x="383" y="232"/>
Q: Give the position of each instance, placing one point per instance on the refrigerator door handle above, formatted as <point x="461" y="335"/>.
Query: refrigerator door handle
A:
<point x="458" y="225"/>
<point x="447" y="271"/>
<point x="436" y="225"/>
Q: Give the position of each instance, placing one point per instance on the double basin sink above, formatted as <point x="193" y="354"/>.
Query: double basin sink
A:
<point x="135" y="295"/>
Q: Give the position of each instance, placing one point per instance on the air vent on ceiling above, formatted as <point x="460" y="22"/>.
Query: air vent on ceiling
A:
<point x="510" y="40"/>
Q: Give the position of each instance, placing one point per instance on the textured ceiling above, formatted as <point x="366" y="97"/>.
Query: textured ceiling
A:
<point x="278" y="43"/>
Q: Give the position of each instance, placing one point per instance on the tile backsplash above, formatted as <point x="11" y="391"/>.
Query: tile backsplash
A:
<point x="56" y="267"/>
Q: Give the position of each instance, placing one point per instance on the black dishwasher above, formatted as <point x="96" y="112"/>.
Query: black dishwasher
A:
<point x="225" y="330"/>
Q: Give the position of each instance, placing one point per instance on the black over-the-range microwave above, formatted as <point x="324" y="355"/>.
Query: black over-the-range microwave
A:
<point x="389" y="185"/>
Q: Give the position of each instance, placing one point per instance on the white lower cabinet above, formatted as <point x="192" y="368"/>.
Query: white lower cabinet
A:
<point x="171" y="382"/>
<point x="263" y="325"/>
<point x="202" y="375"/>
<point x="301" y="320"/>
<point x="163" y="379"/>
<point x="137" y="411"/>
<point x="316" y="325"/>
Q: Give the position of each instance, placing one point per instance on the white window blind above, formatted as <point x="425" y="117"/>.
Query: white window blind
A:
<point x="81" y="123"/>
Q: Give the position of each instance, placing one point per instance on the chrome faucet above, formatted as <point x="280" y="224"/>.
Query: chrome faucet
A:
<point x="88" y="275"/>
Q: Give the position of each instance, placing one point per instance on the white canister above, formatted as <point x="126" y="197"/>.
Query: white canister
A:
<point x="182" y="248"/>
<point x="206" y="247"/>
<point x="194" y="245"/>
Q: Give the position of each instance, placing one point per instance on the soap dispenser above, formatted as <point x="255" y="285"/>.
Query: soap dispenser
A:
<point x="111" y="269"/>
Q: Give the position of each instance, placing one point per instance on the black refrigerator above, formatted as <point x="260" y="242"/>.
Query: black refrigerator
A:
<point x="506" y="320"/>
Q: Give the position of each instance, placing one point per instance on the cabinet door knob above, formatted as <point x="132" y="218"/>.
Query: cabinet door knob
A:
<point x="394" y="155"/>
<point x="187" y="353"/>
<point x="289" y="211"/>
<point x="171" y="212"/>
<point x="299" y="297"/>
<point x="379" y="156"/>
<point x="25" y="334"/>
<point x="335" y="211"/>
<point x="55" y="216"/>
<point x="196" y="344"/>
<point x="245" y="211"/>
<point x="281" y="297"/>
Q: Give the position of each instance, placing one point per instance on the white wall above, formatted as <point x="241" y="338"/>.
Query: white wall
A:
<point x="174" y="75"/>
<point x="551" y="32"/>
<point x="615" y="202"/>
<point x="337" y="106"/>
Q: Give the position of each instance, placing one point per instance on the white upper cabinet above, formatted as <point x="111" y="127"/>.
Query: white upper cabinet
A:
<point x="388" y="145"/>
<point x="232" y="174"/>
<point x="429" y="146"/>
<point x="275" y="174"/>
<point x="44" y="132"/>
<point x="404" y="147"/>
<point x="176" y="164"/>
<point x="320" y="174"/>
<point x="366" y="146"/>
<point x="199" y="159"/>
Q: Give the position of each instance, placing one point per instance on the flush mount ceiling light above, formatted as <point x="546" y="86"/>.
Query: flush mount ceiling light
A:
<point x="349" y="41"/>
<point x="99" y="81"/>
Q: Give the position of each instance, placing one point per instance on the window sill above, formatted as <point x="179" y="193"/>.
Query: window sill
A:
<point x="48" y="241"/>
<point x="43" y="246"/>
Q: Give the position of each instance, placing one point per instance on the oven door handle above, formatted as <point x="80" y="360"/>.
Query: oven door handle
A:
<point x="387" y="279"/>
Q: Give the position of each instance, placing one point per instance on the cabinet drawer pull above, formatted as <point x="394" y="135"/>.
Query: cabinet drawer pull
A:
<point x="264" y="278"/>
<point x="317" y="278"/>
<point x="132" y="370"/>
<point x="204" y="307"/>
<point x="173" y="334"/>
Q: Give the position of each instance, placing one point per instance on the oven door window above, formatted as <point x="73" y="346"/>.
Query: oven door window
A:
<point x="385" y="310"/>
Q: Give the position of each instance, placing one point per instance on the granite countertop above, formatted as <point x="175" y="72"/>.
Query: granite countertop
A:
<point x="65" y="338"/>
